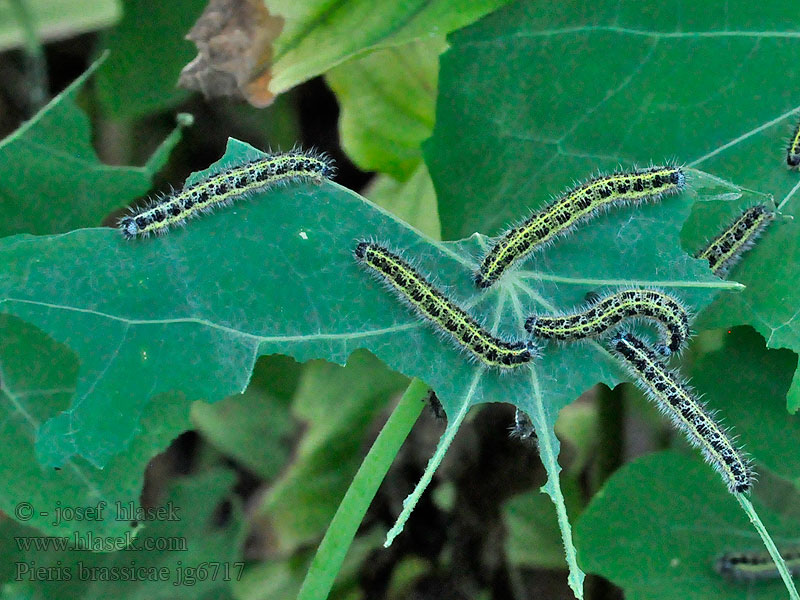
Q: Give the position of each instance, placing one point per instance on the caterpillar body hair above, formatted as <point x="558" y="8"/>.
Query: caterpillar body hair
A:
<point x="222" y="188"/>
<point x="578" y="205"/>
<point x="437" y="309"/>
<point x="793" y="151"/>
<point x="725" y="250"/>
<point x="605" y="313"/>
<point x="523" y="428"/>
<point x="748" y="566"/>
<point x="677" y="400"/>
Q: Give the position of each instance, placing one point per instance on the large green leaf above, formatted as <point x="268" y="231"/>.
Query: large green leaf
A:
<point x="552" y="91"/>
<point x="388" y="99"/>
<point x="318" y="35"/>
<point x="771" y="302"/>
<point x="193" y="310"/>
<point x="660" y="523"/>
<point x="747" y="384"/>
<point x="37" y="378"/>
<point x="57" y="19"/>
<point x="51" y="179"/>
<point x="184" y="544"/>
<point x="147" y="51"/>
<point x="413" y="201"/>
<point x="337" y="404"/>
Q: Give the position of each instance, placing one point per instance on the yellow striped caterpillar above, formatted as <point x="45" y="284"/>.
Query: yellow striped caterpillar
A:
<point x="793" y="152"/>
<point x="448" y="318"/>
<point x="675" y="399"/>
<point x="725" y="250"/>
<point x="605" y="313"/>
<point x="222" y="188"/>
<point x="577" y="205"/>
<point x="747" y="566"/>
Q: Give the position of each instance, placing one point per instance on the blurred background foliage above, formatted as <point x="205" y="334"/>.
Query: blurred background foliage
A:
<point x="263" y="472"/>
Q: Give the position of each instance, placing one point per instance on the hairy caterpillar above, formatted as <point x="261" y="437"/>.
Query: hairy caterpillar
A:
<point x="744" y="566"/>
<point x="222" y="188"/>
<point x="577" y="205"/>
<point x="604" y="313"/>
<point x="725" y="250"/>
<point x="448" y="318"/>
<point x="793" y="152"/>
<point x="675" y="399"/>
<point x="523" y="428"/>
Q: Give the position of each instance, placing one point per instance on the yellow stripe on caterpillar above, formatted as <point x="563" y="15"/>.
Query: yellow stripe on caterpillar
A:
<point x="676" y="400"/>
<point x="605" y="313"/>
<point x="793" y="151"/>
<point x="580" y="204"/>
<point x="222" y="188"/>
<point x="447" y="317"/>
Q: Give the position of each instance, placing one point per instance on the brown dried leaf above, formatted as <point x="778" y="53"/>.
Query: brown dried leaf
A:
<point x="234" y="41"/>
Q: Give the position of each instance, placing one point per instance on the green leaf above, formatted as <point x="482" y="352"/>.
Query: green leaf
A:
<point x="552" y="91"/>
<point x="533" y="538"/>
<point x="413" y="201"/>
<point x="661" y="522"/>
<point x="57" y="19"/>
<point x="318" y="35"/>
<point x="37" y="378"/>
<point x="747" y="384"/>
<point x="771" y="301"/>
<point x="147" y="51"/>
<point x="200" y="552"/>
<point x="51" y="179"/>
<point x="387" y="101"/>
<point x="338" y="405"/>
<point x="282" y="578"/>
<point x="252" y="427"/>
<point x="299" y="292"/>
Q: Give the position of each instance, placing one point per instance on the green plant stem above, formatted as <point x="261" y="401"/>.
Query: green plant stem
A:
<point x="36" y="67"/>
<point x="333" y="548"/>
<point x="773" y="551"/>
<point x="611" y="419"/>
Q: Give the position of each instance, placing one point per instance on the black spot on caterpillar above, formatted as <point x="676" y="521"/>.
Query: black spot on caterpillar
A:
<point x="675" y="399"/>
<point x="605" y="313"/>
<point x="222" y="188"/>
<point x="447" y="317"/>
<point x="580" y="204"/>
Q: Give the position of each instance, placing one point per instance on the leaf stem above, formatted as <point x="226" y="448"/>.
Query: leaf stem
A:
<point x="548" y="452"/>
<point x="773" y="551"/>
<point x="444" y="443"/>
<point x="333" y="548"/>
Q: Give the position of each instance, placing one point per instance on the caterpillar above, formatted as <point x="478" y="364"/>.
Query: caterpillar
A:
<point x="745" y="566"/>
<point x="523" y="428"/>
<point x="578" y="205"/>
<point x="448" y="318"/>
<point x="604" y="313"/>
<point x="675" y="399"/>
<point x="435" y="405"/>
<point x="222" y="188"/>
<point x="725" y="250"/>
<point x="793" y="152"/>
